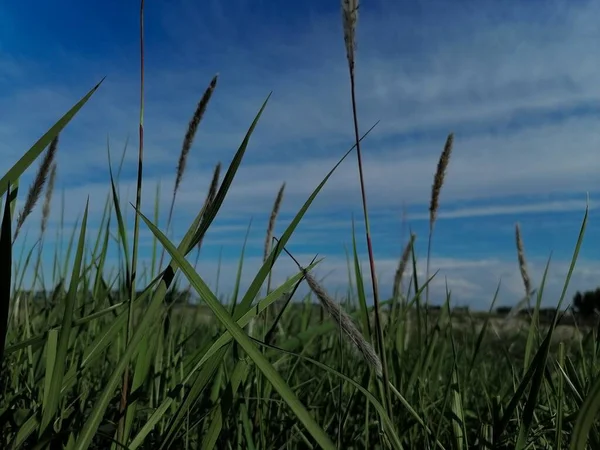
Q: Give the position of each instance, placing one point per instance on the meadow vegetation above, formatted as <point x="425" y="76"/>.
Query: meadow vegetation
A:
<point x="105" y="359"/>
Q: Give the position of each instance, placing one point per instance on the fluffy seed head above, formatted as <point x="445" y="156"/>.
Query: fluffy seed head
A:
<point x="344" y="321"/>
<point x="349" y="19"/>
<point x="438" y="180"/>
<point x="35" y="190"/>
<point x="522" y="261"/>
<point x="272" y="219"/>
<point x="191" y="131"/>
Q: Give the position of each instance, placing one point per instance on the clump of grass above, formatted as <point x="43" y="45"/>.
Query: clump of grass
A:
<point x="36" y="188"/>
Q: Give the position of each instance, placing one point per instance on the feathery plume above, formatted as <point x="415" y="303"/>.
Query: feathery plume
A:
<point x="189" y="139"/>
<point x="35" y="190"/>
<point x="349" y="19"/>
<point x="187" y="145"/>
<point x="344" y="321"/>
<point x="438" y="180"/>
<point x="192" y="129"/>
<point x="522" y="260"/>
<point x="272" y="219"/>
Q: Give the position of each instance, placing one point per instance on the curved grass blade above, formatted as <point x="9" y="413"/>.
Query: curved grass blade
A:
<point x="120" y="223"/>
<point x="211" y="212"/>
<point x="226" y="337"/>
<point x="263" y="272"/>
<point x="243" y="340"/>
<point x="586" y="418"/>
<point x="538" y="378"/>
<point x="150" y="424"/>
<point x="389" y="426"/>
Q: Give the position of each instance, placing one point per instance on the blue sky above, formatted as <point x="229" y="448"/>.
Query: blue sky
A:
<point x="516" y="82"/>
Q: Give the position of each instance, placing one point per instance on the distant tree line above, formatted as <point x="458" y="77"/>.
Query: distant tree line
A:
<point x="585" y="305"/>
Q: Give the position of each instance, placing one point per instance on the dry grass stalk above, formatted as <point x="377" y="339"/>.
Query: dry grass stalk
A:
<point x="349" y="19"/>
<point x="48" y="199"/>
<point x="522" y="261"/>
<point x="438" y="180"/>
<point x="187" y="145"/>
<point x="344" y="321"/>
<point x="402" y="265"/>
<point x="35" y="190"/>
<point x="436" y="189"/>
<point x="272" y="219"/>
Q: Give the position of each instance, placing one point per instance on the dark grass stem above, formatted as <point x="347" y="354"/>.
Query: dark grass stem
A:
<point x="349" y="17"/>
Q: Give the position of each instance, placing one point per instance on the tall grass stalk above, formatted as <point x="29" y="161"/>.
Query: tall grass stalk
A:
<point x="349" y="20"/>
<point x="188" y="140"/>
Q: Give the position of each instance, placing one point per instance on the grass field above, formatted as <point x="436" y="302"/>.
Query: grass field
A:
<point x="110" y="360"/>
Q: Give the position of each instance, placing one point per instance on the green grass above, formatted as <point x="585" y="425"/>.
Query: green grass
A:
<point x="106" y="359"/>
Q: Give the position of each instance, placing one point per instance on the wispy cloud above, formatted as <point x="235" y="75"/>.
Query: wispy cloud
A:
<point x="516" y="84"/>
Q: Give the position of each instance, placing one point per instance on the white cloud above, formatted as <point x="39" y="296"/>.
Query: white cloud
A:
<point x="522" y="97"/>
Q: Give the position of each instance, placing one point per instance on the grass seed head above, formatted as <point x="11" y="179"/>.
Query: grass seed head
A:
<point x="349" y="19"/>
<point x="272" y="219"/>
<point x="36" y="188"/>
<point x="522" y="261"/>
<point x="345" y="322"/>
<point x="191" y="131"/>
<point x="438" y="180"/>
